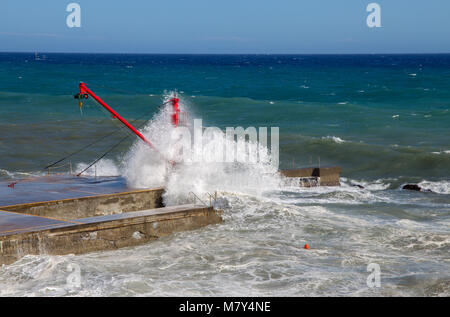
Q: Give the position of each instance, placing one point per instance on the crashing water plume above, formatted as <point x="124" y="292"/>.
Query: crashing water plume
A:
<point x="143" y="167"/>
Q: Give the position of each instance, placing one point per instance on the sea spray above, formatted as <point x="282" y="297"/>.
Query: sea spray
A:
<point x="439" y="187"/>
<point x="197" y="173"/>
<point x="144" y="166"/>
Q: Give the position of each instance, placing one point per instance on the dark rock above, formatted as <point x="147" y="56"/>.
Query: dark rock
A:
<point x="412" y="187"/>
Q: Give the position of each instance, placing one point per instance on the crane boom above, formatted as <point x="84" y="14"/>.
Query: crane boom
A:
<point x="85" y="91"/>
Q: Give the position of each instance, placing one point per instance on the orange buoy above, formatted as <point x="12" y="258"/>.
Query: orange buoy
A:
<point x="306" y="246"/>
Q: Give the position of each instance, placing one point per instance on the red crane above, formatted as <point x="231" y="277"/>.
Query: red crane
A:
<point x="85" y="92"/>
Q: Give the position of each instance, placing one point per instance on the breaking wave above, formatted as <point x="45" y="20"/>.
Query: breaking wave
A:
<point x="104" y="167"/>
<point x="147" y="167"/>
<point x="439" y="187"/>
<point x="334" y="138"/>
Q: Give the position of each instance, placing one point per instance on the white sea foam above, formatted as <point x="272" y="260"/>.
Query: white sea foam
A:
<point x="6" y="172"/>
<point x="442" y="152"/>
<point x="145" y="167"/>
<point x="13" y="175"/>
<point x="104" y="167"/>
<point x="334" y="138"/>
<point x="440" y="187"/>
<point x="376" y="185"/>
<point x="258" y="250"/>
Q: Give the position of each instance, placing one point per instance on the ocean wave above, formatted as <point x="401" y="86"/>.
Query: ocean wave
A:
<point x="334" y="138"/>
<point x="258" y="250"/>
<point x="439" y="187"/>
<point x="379" y="192"/>
<point x="352" y="192"/>
<point x="442" y="152"/>
<point x="5" y="174"/>
<point x="376" y="185"/>
<point x="104" y="167"/>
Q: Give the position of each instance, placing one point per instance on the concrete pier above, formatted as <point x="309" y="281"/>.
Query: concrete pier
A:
<point x="315" y="176"/>
<point x="107" y="222"/>
<point x="90" y="206"/>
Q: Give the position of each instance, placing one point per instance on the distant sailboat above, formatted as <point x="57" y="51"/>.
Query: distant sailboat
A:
<point x="39" y="58"/>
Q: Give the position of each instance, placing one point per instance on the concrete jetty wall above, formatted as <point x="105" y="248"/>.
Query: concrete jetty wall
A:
<point x="90" y="206"/>
<point x="325" y="176"/>
<point x="40" y="235"/>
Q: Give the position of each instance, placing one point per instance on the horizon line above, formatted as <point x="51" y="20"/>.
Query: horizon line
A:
<point x="128" y="53"/>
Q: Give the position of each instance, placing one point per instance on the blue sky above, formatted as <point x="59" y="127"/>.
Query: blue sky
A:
<point x="227" y="26"/>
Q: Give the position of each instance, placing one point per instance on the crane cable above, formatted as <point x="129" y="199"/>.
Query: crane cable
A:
<point x="11" y="185"/>
<point x="109" y="151"/>
<point x="98" y="140"/>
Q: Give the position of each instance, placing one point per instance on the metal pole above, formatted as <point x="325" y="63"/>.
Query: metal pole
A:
<point x="176" y="111"/>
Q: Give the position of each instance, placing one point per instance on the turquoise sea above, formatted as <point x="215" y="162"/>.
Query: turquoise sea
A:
<point x="384" y="119"/>
<point x="390" y="111"/>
